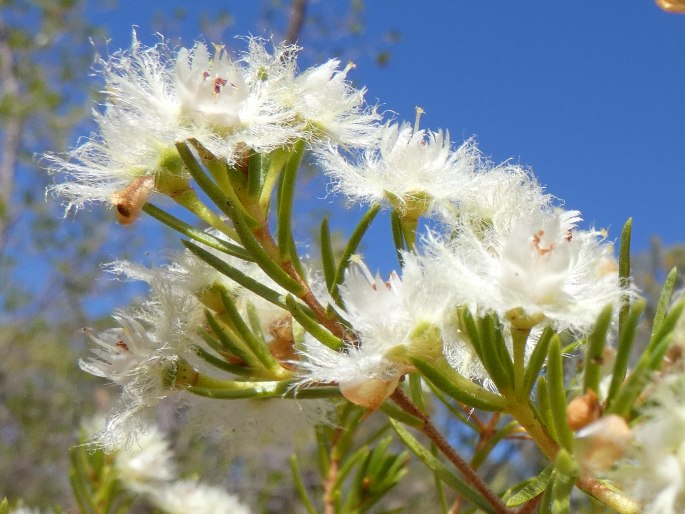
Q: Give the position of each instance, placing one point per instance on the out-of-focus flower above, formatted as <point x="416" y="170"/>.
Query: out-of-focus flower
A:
<point x="654" y="468"/>
<point x="146" y="462"/>
<point x="185" y="496"/>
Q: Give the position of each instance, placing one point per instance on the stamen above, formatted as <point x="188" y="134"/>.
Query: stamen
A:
<point x="419" y="112"/>
<point x="537" y="238"/>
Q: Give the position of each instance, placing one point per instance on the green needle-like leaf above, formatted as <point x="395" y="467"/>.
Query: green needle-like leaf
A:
<point x="439" y="468"/>
<point x="351" y="248"/>
<point x="445" y="378"/>
<point x="254" y="344"/>
<point x="537" y="359"/>
<point x="285" y="198"/>
<point x="219" y="197"/>
<point x="664" y="300"/>
<point x="236" y="275"/>
<point x="531" y="488"/>
<point x="260" y="256"/>
<point x="557" y="395"/>
<point x="624" y="270"/>
<point x="327" y="257"/>
<point x="299" y="485"/>
<point x="312" y="326"/>
<point x="594" y="351"/>
<point x="198" y="235"/>
<point x="624" y="347"/>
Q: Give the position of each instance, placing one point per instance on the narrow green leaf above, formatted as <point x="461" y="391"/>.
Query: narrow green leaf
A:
<point x="221" y="363"/>
<point x="664" y="300"/>
<point x="327" y="257"/>
<point x="198" y="235"/>
<point x="285" y="198"/>
<point x="4" y="506"/>
<point x="667" y="325"/>
<point x="397" y="236"/>
<point x="545" y="408"/>
<point x="439" y="468"/>
<point x="624" y="348"/>
<point x="295" y="258"/>
<point x="351" y="247"/>
<point x="348" y="465"/>
<point x="557" y="395"/>
<point x="650" y="361"/>
<point x="79" y="479"/>
<point x="445" y="378"/>
<point x="236" y="275"/>
<point x="548" y="498"/>
<point x="299" y="485"/>
<point x="495" y="355"/>
<point x="594" y="351"/>
<point x="258" y="349"/>
<point x="270" y="267"/>
<point x="416" y="391"/>
<point x="531" y="488"/>
<point x="266" y="389"/>
<point x="311" y="325"/>
<point x="215" y="194"/>
<point x="562" y="488"/>
<point x="255" y="170"/>
<point x="448" y="402"/>
<point x="537" y="359"/>
<point x="255" y="322"/>
<point x="231" y="341"/>
<point x="394" y="412"/>
<point x="624" y="271"/>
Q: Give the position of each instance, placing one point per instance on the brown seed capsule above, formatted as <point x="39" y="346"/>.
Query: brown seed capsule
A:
<point x="129" y="201"/>
<point x="282" y="346"/>
<point x="583" y="410"/>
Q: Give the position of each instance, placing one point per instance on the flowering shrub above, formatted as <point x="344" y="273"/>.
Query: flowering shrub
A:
<point x="497" y="290"/>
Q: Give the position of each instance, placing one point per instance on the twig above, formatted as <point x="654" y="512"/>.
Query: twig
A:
<point x="437" y="438"/>
<point x="296" y="19"/>
<point x="332" y="474"/>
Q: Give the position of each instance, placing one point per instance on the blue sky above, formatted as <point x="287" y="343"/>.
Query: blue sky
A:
<point x="589" y="94"/>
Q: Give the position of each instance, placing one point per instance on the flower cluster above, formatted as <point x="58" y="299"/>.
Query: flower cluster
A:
<point x="255" y="102"/>
<point x="494" y="273"/>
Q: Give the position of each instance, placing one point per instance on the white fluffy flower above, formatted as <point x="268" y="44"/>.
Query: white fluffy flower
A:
<point x="497" y="199"/>
<point x="543" y="268"/>
<point x="142" y="356"/>
<point x="392" y="320"/>
<point x="411" y="166"/>
<point x="119" y="351"/>
<point x="185" y="496"/>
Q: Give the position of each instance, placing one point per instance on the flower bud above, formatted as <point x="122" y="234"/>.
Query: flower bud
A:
<point x="583" y="410"/>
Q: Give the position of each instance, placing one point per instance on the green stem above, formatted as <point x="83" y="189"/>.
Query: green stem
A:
<point x="522" y="412"/>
